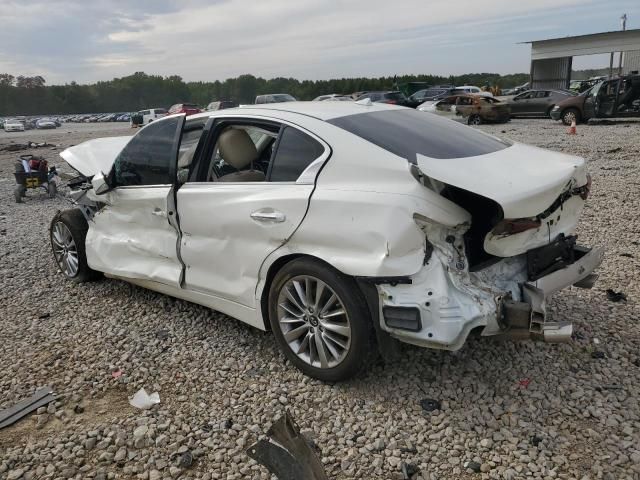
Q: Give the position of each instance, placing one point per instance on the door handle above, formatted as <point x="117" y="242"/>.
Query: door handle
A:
<point x="269" y="215"/>
<point x="159" y="213"/>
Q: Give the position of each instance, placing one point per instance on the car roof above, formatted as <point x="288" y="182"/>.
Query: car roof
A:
<point x="319" y="110"/>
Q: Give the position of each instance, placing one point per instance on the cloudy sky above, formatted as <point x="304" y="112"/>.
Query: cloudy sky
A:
<point x="90" y="40"/>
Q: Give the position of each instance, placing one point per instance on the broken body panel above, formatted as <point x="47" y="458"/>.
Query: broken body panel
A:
<point x="372" y="215"/>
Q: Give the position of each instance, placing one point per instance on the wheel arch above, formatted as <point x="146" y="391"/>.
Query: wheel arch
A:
<point x="280" y="262"/>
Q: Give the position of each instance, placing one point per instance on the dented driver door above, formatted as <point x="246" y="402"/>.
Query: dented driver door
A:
<point x="134" y="235"/>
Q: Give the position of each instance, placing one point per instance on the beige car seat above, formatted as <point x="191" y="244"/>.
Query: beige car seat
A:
<point x="238" y="150"/>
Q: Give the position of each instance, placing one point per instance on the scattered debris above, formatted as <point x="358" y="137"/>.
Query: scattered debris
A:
<point x="524" y="383"/>
<point x="598" y="354"/>
<point x="116" y="373"/>
<point x="14" y="147"/>
<point x="616" y="296"/>
<point x="625" y="254"/>
<point x="78" y="409"/>
<point x="42" y="316"/>
<point x="614" y="150"/>
<point x="429" y="404"/>
<point x="535" y="440"/>
<point x="609" y="168"/>
<point x="471" y="465"/>
<point x="228" y="423"/>
<point x="409" y="470"/>
<point x="143" y="400"/>
<point x="611" y="386"/>
<point x="288" y="456"/>
<point x="185" y="460"/>
<point x="162" y="334"/>
<point x="43" y="396"/>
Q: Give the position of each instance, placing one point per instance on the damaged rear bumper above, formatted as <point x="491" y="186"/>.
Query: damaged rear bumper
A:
<point x="441" y="305"/>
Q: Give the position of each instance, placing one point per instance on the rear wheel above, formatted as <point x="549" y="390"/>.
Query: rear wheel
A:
<point x="320" y="320"/>
<point x="67" y="232"/>
<point x="570" y="115"/>
<point x="475" y="119"/>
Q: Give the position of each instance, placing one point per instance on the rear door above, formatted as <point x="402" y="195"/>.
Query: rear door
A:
<point x="135" y="235"/>
<point x="230" y="227"/>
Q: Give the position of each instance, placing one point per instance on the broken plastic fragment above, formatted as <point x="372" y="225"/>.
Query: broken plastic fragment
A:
<point x="143" y="400"/>
<point x="116" y="373"/>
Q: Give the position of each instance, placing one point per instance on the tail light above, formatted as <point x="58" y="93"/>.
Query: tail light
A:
<point x="513" y="226"/>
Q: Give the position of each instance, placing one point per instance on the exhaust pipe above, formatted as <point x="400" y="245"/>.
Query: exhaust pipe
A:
<point x="557" y="332"/>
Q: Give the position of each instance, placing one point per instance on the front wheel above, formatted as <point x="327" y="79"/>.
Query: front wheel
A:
<point x="569" y="116"/>
<point x="67" y="232"/>
<point x="320" y="320"/>
<point x="475" y="120"/>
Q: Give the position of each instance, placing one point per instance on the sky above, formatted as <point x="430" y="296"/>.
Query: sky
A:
<point x="91" y="40"/>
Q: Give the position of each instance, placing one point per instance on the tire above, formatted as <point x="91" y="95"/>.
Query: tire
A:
<point x="69" y="229"/>
<point x="19" y="192"/>
<point x="344" y="355"/>
<point x="475" y="119"/>
<point x="569" y="115"/>
<point x="52" y="189"/>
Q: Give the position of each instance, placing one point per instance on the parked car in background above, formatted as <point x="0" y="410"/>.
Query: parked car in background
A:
<point x="13" y="125"/>
<point x="617" y="97"/>
<point x="274" y="98"/>
<point x="45" y="123"/>
<point x="470" y="89"/>
<point x="470" y="109"/>
<point x="443" y="229"/>
<point x="537" y="103"/>
<point x="390" y="97"/>
<point x="186" y="108"/>
<point x="221" y="105"/>
<point x="334" y="97"/>
<point x="428" y="94"/>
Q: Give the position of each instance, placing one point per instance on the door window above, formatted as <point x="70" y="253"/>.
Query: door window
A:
<point x="296" y="151"/>
<point x="542" y="94"/>
<point x="147" y="158"/>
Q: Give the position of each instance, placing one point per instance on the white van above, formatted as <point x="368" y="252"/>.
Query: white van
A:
<point x="144" y="117"/>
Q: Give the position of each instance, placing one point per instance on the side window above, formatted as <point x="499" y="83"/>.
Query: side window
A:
<point x="542" y="94"/>
<point x="295" y="152"/>
<point x="146" y="159"/>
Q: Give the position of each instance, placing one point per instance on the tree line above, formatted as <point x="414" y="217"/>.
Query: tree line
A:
<point x="24" y="95"/>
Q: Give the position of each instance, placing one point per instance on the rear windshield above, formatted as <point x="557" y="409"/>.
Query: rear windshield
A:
<point x="409" y="132"/>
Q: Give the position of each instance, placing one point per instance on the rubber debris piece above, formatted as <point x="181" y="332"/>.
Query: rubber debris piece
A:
<point x="43" y="396"/>
<point x="616" y="296"/>
<point x="429" y="404"/>
<point x="287" y="453"/>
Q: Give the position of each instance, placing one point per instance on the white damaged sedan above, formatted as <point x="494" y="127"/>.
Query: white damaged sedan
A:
<point x="339" y="226"/>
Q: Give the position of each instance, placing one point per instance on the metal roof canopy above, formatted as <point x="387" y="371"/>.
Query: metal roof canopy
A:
<point x="606" y="42"/>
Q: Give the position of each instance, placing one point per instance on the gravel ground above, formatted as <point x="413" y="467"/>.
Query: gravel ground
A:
<point x="515" y="410"/>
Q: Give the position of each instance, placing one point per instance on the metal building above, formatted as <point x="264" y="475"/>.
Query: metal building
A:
<point x="551" y="59"/>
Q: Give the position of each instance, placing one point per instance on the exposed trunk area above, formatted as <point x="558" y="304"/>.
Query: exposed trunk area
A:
<point x="485" y="214"/>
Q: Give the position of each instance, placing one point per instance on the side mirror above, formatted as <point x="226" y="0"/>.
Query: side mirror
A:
<point x="99" y="184"/>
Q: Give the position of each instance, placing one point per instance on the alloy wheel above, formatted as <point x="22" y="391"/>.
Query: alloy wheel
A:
<point x="314" y="321"/>
<point x="569" y="117"/>
<point x="65" y="249"/>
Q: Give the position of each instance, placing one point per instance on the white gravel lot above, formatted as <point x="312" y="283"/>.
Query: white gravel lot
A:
<point x="518" y="410"/>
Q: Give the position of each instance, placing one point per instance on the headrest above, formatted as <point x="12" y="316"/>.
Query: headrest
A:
<point x="236" y="148"/>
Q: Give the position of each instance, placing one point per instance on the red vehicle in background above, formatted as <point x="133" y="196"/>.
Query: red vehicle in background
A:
<point x="186" y="108"/>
